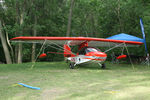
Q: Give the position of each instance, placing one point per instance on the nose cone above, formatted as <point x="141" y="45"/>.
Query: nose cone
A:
<point x="100" y="54"/>
<point x="97" y="54"/>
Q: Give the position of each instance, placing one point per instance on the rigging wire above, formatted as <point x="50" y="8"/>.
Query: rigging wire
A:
<point x="38" y="54"/>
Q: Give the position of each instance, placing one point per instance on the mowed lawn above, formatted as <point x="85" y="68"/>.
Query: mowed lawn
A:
<point x="87" y="82"/>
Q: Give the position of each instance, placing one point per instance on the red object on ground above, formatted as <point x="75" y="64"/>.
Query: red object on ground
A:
<point x="42" y="55"/>
<point x="121" y="56"/>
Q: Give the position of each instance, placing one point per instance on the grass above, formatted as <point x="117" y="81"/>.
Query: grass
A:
<point x="58" y="82"/>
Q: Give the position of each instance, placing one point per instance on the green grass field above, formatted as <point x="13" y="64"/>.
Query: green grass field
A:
<point x="58" y="82"/>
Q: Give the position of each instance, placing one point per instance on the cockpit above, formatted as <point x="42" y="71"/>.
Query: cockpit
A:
<point x="86" y="50"/>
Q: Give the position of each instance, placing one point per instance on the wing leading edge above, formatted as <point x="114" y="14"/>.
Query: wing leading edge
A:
<point x="101" y="42"/>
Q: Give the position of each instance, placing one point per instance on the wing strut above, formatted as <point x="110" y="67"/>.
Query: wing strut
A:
<point x="60" y="48"/>
<point x="38" y="54"/>
<point x="122" y="51"/>
<point x="114" y="47"/>
<point x="129" y="55"/>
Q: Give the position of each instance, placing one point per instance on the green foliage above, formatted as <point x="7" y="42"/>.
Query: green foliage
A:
<point x="92" y="18"/>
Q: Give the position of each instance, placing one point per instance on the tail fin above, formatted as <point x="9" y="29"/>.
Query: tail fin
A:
<point x="67" y="51"/>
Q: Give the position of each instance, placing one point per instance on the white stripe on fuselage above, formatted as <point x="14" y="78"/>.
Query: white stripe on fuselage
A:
<point x="82" y="59"/>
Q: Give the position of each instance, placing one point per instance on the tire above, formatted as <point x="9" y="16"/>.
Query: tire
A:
<point x="103" y="66"/>
<point x="71" y="65"/>
<point x="67" y="61"/>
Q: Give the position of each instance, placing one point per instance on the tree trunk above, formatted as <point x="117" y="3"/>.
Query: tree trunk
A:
<point x="20" y="44"/>
<point x="19" y="53"/>
<point x="119" y="17"/>
<point x="16" y="53"/>
<point x="5" y="47"/>
<point x="92" y="26"/>
<point x="34" y="34"/>
<point x="9" y="45"/>
<point x="69" y="19"/>
<point x="33" y="52"/>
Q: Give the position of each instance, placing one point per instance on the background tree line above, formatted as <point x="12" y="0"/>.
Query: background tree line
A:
<point x="89" y="18"/>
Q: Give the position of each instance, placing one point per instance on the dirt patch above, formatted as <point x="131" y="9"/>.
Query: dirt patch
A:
<point x="3" y="77"/>
<point x="19" y="96"/>
<point x="51" y="94"/>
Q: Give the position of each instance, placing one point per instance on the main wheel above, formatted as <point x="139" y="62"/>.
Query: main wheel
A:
<point x="103" y="66"/>
<point x="71" y="65"/>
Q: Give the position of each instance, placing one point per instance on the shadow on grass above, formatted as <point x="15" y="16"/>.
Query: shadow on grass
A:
<point x="91" y="67"/>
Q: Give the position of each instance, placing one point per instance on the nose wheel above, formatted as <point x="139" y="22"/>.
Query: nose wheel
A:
<point x="72" y="65"/>
<point x="103" y="66"/>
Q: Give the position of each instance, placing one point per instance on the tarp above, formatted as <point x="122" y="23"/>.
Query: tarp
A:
<point x="125" y="37"/>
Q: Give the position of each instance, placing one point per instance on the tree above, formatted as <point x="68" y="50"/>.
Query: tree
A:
<point x="5" y="47"/>
<point x="69" y="18"/>
<point x="92" y="18"/>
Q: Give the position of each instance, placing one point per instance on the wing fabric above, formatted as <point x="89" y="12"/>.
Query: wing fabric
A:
<point x="101" y="42"/>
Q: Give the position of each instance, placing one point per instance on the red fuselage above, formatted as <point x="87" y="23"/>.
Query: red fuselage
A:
<point x="97" y="56"/>
<point x="92" y="54"/>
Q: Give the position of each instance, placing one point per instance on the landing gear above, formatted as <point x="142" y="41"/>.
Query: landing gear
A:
<point x="103" y="66"/>
<point x="71" y="65"/>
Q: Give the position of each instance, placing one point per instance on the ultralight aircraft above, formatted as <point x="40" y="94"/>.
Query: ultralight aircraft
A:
<point x="87" y="51"/>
